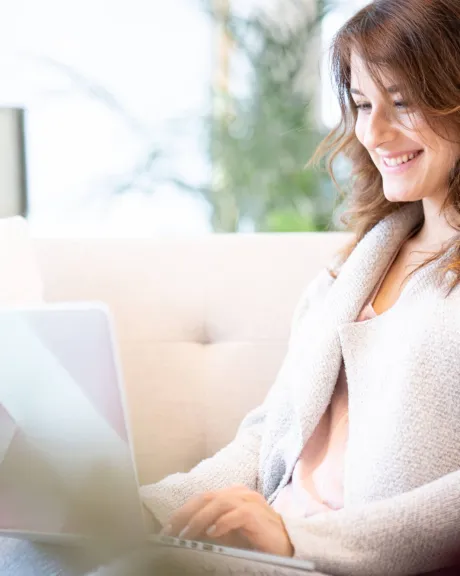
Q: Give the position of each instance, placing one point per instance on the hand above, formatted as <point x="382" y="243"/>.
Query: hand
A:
<point x="235" y="511"/>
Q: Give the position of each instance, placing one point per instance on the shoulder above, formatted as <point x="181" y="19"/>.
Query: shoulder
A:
<point x="336" y="263"/>
<point x="314" y="292"/>
<point x="317" y="287"/>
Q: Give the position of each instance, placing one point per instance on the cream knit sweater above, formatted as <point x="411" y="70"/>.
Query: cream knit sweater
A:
<point x="402" y="472"/>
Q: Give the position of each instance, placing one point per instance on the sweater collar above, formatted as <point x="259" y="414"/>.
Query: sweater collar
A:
<point x="365" y="265"/>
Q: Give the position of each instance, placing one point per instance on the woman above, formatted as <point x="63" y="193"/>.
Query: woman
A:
<point x="353" y="459"/>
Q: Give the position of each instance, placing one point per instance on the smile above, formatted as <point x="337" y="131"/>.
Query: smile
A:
<point x="400" y="163"/>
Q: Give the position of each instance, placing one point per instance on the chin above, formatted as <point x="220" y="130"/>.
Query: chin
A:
<point x="403" y="196"/>
<point x="396" y="197"/>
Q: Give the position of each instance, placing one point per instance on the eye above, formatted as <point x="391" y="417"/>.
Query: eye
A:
<point x="363" y="106"/>
<point x="401" y="104"/>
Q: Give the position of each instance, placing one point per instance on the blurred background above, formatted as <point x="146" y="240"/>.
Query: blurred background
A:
<point x="149" y="117"/>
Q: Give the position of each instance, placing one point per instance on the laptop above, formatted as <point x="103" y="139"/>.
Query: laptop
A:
<point x="67" y="470"/>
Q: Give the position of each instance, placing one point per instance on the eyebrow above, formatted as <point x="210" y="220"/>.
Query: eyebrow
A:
<point x="390" y="89"/>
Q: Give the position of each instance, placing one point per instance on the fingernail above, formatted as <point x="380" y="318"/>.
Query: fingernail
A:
<point x="184" y="531"/>
<point x="210" y="531"/>
<point x="166" y="530"/>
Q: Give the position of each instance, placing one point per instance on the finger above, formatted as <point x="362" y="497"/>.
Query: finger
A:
<point x="198" y="525"/>
<point x="264" y="530"/>
<point x="180" y="518"/>
<point x="236" y="519"/>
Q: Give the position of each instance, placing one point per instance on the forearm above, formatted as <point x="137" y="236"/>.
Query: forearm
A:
<point x="411" y="533"/>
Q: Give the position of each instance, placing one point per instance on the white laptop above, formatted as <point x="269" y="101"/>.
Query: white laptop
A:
<point x="66" y="454"/>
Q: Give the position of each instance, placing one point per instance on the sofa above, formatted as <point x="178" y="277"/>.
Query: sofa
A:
<point x="201" y="323"/>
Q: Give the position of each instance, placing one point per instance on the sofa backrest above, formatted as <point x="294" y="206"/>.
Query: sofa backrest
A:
<point x="202" y="325"/>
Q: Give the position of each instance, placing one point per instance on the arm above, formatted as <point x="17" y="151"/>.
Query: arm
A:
<point x="410" y="533"/>
<point x="238" y="462"/>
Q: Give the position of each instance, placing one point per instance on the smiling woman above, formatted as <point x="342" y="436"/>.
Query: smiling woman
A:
<point x="396" y="74"/>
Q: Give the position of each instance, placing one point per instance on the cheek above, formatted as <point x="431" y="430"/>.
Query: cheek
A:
<point x="444" y="156"/>
<point x="454" y="155"/>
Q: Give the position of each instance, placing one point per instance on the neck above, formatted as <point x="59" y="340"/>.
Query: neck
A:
<point x="437" y="229"/>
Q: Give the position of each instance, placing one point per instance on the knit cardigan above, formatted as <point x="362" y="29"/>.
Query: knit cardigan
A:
<point x="401" y="510"/>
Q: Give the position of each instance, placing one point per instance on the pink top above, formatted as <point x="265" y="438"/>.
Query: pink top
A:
<point x="316" y="484"/>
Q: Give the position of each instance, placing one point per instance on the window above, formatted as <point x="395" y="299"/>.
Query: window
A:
<point x="104" y="82"/>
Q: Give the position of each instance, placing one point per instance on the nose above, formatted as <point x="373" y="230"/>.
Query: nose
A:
<point x="379" y="130"/>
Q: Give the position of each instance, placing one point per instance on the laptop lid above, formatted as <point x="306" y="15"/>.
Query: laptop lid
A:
<point x="66" y="458"/>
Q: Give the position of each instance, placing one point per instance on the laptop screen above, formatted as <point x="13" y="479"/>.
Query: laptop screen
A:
<point x="66" y="463"/>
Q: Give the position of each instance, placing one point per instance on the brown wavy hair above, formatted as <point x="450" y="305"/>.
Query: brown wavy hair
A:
<point x="418" y="43"/>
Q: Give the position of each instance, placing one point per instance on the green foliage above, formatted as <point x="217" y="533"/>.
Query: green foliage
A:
<point x="288" y="221"/>
<point x="259" y="148"/>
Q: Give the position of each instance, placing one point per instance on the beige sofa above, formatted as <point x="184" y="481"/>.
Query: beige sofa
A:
<point x="202" y="326"/>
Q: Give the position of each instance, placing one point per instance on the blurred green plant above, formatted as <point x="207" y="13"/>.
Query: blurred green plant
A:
<point x="261" y="140"/>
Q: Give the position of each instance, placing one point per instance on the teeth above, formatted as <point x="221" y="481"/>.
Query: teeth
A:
<point x="400" y="159"/>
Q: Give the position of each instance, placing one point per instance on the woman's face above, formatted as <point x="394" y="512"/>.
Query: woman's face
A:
<point x="413" y="160"/>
